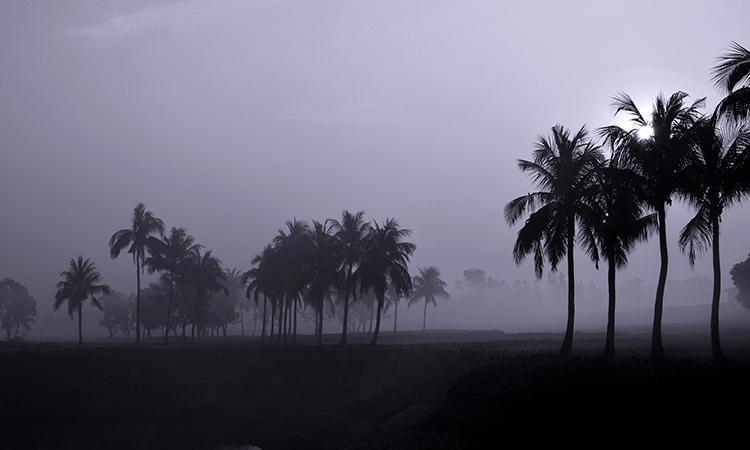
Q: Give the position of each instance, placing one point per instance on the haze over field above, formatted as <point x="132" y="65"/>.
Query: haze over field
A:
<point x="229" y="118"/>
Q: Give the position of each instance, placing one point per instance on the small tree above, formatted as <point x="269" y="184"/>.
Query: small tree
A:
<point x="741" y="278"/>
<point x="79" y="283"/>
<point x="17" y="307"/>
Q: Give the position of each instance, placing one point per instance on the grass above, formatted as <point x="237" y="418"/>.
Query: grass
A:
<point x="447" y="389"/>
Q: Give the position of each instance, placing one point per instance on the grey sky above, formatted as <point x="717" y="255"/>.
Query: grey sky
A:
<point x="231" y="117"/>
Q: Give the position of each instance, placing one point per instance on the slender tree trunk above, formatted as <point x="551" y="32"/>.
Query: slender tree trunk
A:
<point x="80" y="326"/>
<point x="263" y="327"/>
<point x="609" y="345"/>
<point x="242" y="321"/>
<point x="657" y="349"/>
<point x="395" y="317"/>
<point x="138" y="299"/>
<point x="320" y="325"/>
<point x="567" y="345"/>
<point x="718" y="355"/>
<point x="374" y="340"/>
<point x="346" y="304"/>
<point x="273" y="321"/>
<point x="424" y="319"/>
<point x="169" y="309"/>
<point x="294" y="317"/>
<point x="372" y="318"/>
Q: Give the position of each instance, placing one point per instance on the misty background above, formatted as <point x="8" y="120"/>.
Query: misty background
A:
<point x="229" y="118"/>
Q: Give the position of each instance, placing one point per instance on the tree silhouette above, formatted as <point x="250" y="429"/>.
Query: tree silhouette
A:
<point x="563" y="168"/>
<point x="17" y="307"/>
<point x="263" y="279"/>
<point x="717" y="176"/>
<point x="350" y="235"/>
<point x="740" y="274"/>
<point x="293" y="249"/>
<point x="384" y="263"/>
<point x="613" y="225"/>
<point x="79" y="283"/>
<point x="206" y="274"/>
<point x="323" y="272"/>
<point x="139" y="237"/>
<point x="171" y="255"/>
<point x="658" y="161"/>
<point x="428" y="286"/>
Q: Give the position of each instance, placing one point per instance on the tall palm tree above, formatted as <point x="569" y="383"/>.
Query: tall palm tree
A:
<point x="139" y="237"/>
<point x="323" y="271"/>
<point x="294" y="247"/>
<point x="613" y="226"/>
<point x="658" y="160"/>
<point x="262" y="279"/>
<point x="731" y="75"/>
<point x="385" y="261"/>
<point x="79" y="283"/>
<point x="170" y="255"/>
<point x="236" y="288"/>
<point x="206" y="274"/>
<point x="563" y="168"/>
<point x="716" y="177"/>
<point x="350" y="235"/>
<point x="428" y="286"/>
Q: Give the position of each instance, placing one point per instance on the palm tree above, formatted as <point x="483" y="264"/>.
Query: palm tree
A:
<point x="716" y="177"/>
<point x="205" y="273"/>
<point x="236" y="288"/>
<point x="658" y="161"/>
<point x="732" y="76"/>
<point x="385" y="261"/>
<point x="613" y="225"/>
<point x="293" y="247"/>
<point x="323" y="271"/>
<point x="350" y="235"/>
<point x="563" y="168"/>
<point x="171" y="255"/>
<point x="79" y="283"/>
<point x="428" y="286"/>
<point x="262" y="279"/>
<point x="139" y="237"/>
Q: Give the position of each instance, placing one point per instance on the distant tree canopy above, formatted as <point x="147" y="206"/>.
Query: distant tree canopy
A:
<point x="17" y="307"/>
<point x="740" y="273"/>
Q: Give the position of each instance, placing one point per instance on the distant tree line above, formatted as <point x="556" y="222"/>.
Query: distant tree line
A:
<point x="608" y="205"/>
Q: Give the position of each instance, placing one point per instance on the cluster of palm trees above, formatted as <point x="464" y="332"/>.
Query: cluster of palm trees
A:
<point x="618" y="202"/>
<point x="335" y="262"/>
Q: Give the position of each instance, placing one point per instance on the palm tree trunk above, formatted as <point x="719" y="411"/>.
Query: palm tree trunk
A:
<point x="424" y="319"/>
<point x="263" y="327"/>
<point x="80" y="326"/>
<point x="169" y="309"/>
<point x="242" y="322"/>
<point x="609" y="345"/>
<point x="395" y="317"/>
<point x="657" y="349"/>
<point x="294" y="312"/>
<point x="137" y="299"/>
<point x="718" y="355"/>
<point x="346" y="305"/>
<point x="567" y="345"/>
<point x="374" y="340"/>
<point x="320" y="325"/>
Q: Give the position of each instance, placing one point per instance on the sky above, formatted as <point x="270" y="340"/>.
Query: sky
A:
<point x="231" y="117"/>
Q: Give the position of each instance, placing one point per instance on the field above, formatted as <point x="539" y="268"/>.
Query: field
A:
<point x="440" y="389"/>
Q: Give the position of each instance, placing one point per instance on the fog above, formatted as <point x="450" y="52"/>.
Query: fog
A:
<point x="229" y="118"/>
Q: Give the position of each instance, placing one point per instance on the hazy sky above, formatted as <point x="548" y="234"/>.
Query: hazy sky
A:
<point x="229" y="118"/>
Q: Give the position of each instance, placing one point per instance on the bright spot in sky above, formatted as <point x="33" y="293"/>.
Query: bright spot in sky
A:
<point x="645" y="132"/>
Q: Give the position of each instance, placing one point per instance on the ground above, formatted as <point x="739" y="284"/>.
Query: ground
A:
<point x="440" y="389"/>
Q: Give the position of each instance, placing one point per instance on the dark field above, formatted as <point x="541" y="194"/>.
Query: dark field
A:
<point x="440" y="389"/>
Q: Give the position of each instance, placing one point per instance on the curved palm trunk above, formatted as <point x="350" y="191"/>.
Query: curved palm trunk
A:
<point x="395" y="317"/>
<point x="346" y="305"/>
<point x="377" y="322"/>
<point x="567" y="345"/>
<point x="424" y="319"/>
<point x="657" y="349"/>
<point x="320" y="325"/>
<point x="718" y="355"/>
<point x="80" y="326"/>
<point x="138" y="299"/>
<point x="609" y="345"/>
<point x="263" y="327"/>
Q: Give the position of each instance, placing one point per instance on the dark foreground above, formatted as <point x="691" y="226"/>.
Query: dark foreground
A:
<point x="509" y="392"/>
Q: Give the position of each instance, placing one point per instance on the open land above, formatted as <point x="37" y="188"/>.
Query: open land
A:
<point x="438" y="389"/>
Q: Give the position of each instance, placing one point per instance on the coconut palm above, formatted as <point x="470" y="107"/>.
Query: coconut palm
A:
<point x="384" y="263"/>
<point x="428" y="286"/>
<point x="206" y="274"/>
<point x="614" y="224"/>
<point x="350" y="235"/>
<point x="732" y="76"/>
<point x="236" y="288"/>
<point x="293" y="249"/>
<point x="79" y="283"/>
<point x="716" y="177"/>
<point x="563" y="168"/>
<point x="323" y="271"/>
<point x="658" y="160"/>
<point x="139" y="237"/>
<point x="171" y="255"/>
<point x="262" y="279"/>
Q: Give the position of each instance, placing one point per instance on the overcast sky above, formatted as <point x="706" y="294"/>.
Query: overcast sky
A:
<point x="229" y="118"/>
